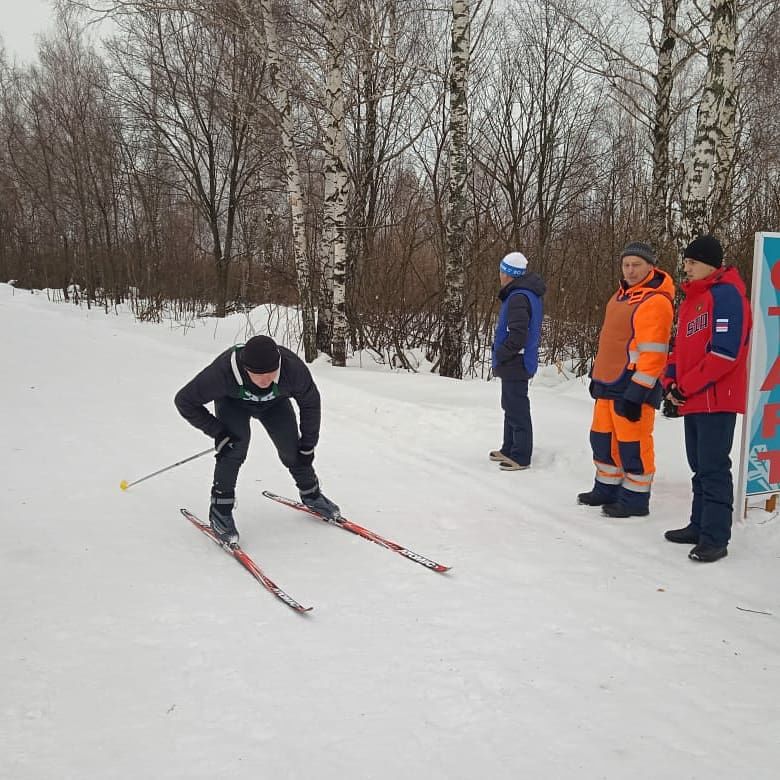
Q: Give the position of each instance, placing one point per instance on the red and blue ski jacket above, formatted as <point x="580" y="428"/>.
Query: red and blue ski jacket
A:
<point x="709" y="359"/>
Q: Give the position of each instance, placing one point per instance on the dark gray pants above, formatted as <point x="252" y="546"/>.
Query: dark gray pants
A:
<point x="279" y="420"/>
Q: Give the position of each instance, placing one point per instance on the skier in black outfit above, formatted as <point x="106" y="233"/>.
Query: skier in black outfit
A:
<point x="256" y="380"/>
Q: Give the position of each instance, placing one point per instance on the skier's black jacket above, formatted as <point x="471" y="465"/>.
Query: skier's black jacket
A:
<point x="226" y="378"/>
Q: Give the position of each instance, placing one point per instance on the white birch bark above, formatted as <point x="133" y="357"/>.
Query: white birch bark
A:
<point x="337" y="183"/>
<point x="710" y="134"/>
<point x="724" y="159"/>
<point x="451" y="364"/>
<point x="325" y="309"/>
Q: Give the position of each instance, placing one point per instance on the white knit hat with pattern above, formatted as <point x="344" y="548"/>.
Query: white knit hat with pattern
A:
<point x="514" y="264"/>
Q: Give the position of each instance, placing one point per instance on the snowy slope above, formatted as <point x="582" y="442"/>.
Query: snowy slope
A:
<point x="563" y="644"/>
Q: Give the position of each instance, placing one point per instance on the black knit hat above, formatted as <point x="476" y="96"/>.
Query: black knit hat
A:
<point x="260" y="355"/>
<point x="705" y="249"/>
<point x="640" y="249"/>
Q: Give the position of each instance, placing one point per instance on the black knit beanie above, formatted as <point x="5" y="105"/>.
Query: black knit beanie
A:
<point x="260" y="355"/>
<point x="705" y="249"/>
<point x="640" y="249"/>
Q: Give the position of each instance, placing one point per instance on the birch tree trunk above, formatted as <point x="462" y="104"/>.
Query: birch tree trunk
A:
<point x="325" y="311"/>
<point x="724" y="159"/>
<point x="662" y="121"/>
<point x="451" y="364"/>
<point x="699" y="171"/>
<point x="336" y="200"/>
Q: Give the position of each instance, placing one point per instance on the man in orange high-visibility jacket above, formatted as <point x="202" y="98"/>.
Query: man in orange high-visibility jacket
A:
<point x="633" y="345"/>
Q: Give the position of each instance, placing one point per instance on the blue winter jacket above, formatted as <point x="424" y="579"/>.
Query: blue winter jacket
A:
<point x="519" y="328"/>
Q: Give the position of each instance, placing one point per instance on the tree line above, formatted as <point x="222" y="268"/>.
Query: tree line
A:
<point x="371" y="162"/>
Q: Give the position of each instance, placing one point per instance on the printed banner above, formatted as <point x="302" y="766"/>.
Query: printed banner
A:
<point x="760" y="461"/>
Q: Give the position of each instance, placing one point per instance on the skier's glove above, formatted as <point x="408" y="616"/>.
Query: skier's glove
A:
<point x="628" y="409"/>
<point x="305" y="456"/>
<point x="224" y="441"/>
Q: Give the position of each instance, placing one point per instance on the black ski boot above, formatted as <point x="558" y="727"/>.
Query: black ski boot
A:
<point x="221" y="517"/>
<point x="318" y="502"/>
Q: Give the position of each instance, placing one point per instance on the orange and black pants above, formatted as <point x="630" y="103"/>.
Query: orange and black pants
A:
<point x="623" y="453"/>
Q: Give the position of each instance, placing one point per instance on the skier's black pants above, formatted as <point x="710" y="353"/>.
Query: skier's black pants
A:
<point x="708" y="440"/>
<point x="518" y="432"/>
<point x="279" y="420"/>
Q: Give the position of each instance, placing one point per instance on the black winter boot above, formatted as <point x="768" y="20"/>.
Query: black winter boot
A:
<point x="221" y="517"/>
<point x="593" y="498"/>
<point x="619" y="509"/>
<point x="706" y="554"/>
<point x="687" y="535"/>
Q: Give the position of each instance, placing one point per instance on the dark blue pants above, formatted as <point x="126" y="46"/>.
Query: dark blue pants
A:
<point x="708" y="440"/>
<point x="518" y="432"/>
<point x="279" y="420"/>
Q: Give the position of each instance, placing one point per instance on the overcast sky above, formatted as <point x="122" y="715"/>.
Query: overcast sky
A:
<point x="20" y="20"/>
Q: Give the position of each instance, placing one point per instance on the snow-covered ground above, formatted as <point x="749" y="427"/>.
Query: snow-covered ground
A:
<point x="562" y="644"/>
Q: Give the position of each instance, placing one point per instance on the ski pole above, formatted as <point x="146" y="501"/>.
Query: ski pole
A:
<point x="124" y="484"/>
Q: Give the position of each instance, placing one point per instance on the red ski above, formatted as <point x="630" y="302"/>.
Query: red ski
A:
<point x="358" y="530"/>
<point x="236" y="552"/>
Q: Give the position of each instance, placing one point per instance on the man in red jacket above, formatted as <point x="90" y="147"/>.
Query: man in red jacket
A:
<point x="706" y="379"/>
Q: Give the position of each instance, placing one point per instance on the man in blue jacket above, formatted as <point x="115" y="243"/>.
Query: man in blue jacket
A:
<point x="516" y="356"/>
<point x="258" y="379"/>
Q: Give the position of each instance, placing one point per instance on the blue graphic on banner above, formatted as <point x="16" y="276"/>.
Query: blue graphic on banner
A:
<point x="764" y="357"/>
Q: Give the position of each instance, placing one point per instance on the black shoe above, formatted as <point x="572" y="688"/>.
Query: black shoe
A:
<point x="592" y="498"/>
<point x="687" y="535"/>
<point x="706" y="554"/>
<point x="221" y="518"/>
<point x="619" y="509"/>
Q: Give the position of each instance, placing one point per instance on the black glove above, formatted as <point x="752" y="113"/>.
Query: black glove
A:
<point x="675" y="394"/>
<point x="223" y="443"/>
<point x="628" y="409"/>
<point x="305" y="455"/>
<point x="668" y="409"/>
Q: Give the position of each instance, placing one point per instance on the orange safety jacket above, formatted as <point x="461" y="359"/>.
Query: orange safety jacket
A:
<point x="634" y="341"/>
